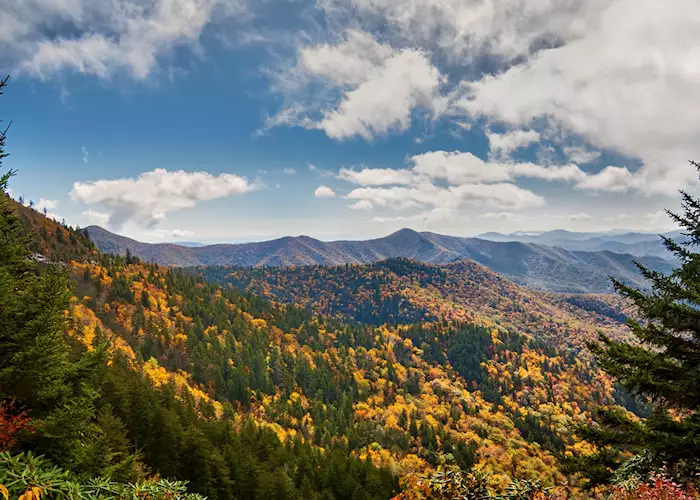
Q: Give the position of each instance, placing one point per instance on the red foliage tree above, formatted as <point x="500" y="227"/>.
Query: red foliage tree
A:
<point x="12" y="422"/>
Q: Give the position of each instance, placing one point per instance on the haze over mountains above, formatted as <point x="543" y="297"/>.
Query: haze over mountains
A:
<point x="535" y="265"/>
<point x="634" y="243"/>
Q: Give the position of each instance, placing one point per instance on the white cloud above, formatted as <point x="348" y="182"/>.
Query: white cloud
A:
<point x="548" y="173"/>
<point x="147" y="199"/>
<point x="172" y="233"/>
<point x="502" y="145"/>
<point x="96" y="217"/>
<point x="46" y="204"/>
<point x="615" y="75"/>
<point x="46" y="207"/>
<point x="289" y="171"/>
<point x="500" y="195"/>
<point x="497" y="215"/>
<point x="361" y="205"/>
<point x="346" y="63"/>
<point x="625" y="78"/>
<point x="86" y="154"/>
<point x="324" y="192"/>
<point x="457" y="167"/>
<point x="612" y="179"/>
<point x="465" y="30"/>
<point x="367" y="89"/>
<point x="436" y="214"/>
<point x="376" y="176"/>
<point x="103" y="38"/>
<point x="399" y="197"/>
<point x="386" y="99"/>
<point x="447" y="181"/>
<point x="580" y="155"/>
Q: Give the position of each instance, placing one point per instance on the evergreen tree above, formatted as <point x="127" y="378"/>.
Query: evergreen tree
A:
<point x="39" y="375"/>
<point x="661" y="366"/>
<point x="34" y="364"/>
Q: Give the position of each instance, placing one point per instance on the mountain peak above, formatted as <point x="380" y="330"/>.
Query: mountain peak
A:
<point x="405" y="232"/>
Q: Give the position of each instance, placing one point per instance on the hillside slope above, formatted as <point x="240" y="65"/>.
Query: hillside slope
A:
<point x="536" y="266"/>
<point x="147" y="383"/>
<point x="402" y="291"/>
<point x="473" y="391"/>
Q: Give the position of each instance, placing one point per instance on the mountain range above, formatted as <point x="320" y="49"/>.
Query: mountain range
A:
<point x="635" y="243"/>
<point x="534" y="265"/>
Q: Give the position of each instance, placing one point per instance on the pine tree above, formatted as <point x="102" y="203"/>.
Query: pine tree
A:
<point x="662" y="365"/>
<point x="34" y="356"/>
<point x="37" y="373"/>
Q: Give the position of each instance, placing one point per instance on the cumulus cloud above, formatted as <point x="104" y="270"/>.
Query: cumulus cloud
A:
<point x="376" y="176"/>
<point x="426" y="217"/>
<point x="372" y="88"/>
<point x="612" y="179"/>
<point x="361" y="205"/>
<point x="464" y="31"/>
<point x="625" y="79"/>
<point x="386" y="99"/>
<point x="613" y="75"/>
<point x="96" y="217"/>
<point x="46" y="207"/>
<point x="446" y="181"/>
<point x="580" y="155"/>
<point x="102" y="38"/>
<point x="345" y="63"/>
<point x="458" y="167"/>
<point x="46" y="204"/>
<point x="324" y="192"/>
<point x="500" y="195"/>
<point x="502" y="145"/>
<point x="147" y="199"/>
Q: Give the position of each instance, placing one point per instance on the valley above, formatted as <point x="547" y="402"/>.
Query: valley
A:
<point x="399" y="364"/>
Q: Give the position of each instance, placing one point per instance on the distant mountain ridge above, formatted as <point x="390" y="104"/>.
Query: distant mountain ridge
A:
<point x="634" y="243"/>
<point x="537" y="266"/>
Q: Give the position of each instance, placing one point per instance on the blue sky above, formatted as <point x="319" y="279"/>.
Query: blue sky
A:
<point x="221" y="120"/>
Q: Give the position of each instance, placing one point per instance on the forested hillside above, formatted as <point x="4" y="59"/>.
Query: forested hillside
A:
<point x="402" y="291"/>
<point x="246" y="399"/>
<point x="138" y="387"/>
<point x="163" y="374"/>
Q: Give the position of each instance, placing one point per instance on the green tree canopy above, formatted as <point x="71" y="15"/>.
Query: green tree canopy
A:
<point x="661" y="364"/>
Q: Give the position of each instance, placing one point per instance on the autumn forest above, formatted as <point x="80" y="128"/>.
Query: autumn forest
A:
<point x="121" y="378"/>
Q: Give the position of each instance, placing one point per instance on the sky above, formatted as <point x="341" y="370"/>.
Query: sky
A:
<point x="236" y="120"/>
